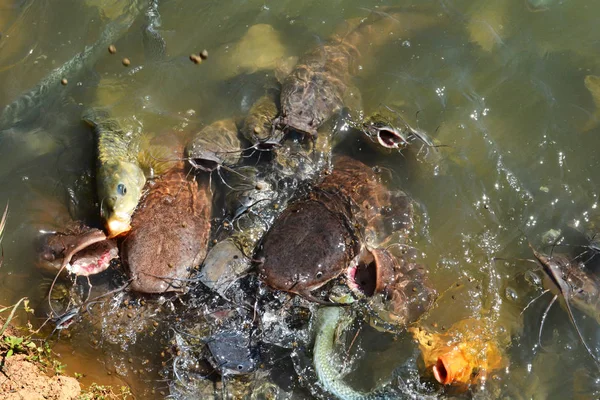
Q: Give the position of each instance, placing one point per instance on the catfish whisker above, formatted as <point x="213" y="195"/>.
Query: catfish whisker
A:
<point x="421" y="135"/>
<point x="229" y="169"/>
<point x="250" y="155"/>
<point x="117" y="290"/>
<point x="210" y="183"/>
<point x="351" y="345"/>
<point x="175" y="370"/>
<point x="168" y="278"/>
<point x="544" y="315"/>
<point x="223" y="179"/>
<point x="380" y="13"/>
<point x="532" y="301"/>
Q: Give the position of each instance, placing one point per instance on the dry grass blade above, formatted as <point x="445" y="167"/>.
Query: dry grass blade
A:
<point x="2" y="225"/>
<point x="11" y="316"/>
<point x="3" y="221"/>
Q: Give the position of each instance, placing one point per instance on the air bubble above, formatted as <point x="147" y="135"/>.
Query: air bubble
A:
<point x="511" y="294"/>
<point x="533" y="279"/>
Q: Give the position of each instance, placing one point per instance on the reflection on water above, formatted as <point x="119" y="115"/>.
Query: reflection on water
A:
<point x="507" y="88"/>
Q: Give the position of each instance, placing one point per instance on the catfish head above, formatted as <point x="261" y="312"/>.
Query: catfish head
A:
<point x="308" y="246"/>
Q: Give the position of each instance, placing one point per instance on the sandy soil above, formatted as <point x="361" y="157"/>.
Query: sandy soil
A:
<point x="24" y="380"/>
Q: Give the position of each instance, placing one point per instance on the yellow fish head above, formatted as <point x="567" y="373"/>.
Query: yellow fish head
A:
<point x="120" y="188"/>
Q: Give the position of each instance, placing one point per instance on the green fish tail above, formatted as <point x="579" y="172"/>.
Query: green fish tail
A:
<point x="328" y="319"/>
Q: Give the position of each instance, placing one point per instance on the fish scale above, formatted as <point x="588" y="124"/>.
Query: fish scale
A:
<point x="114" y="144"/>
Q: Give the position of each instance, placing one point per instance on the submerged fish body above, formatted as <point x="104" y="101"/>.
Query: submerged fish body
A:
<point x="215" y="145"/>
<point x="119" y="177"/>
<point x="169" y="233"/>
<point x="570" y="279"/>
<point x="592" y="84"/>
<point x="252" y="206"/>
<point x="377" y="211"/>
<point x="258" y="196"/>
<point x="567" y="279"/>
<point x="304" y="161"/>
<point x="257" y="128"/>
<point x="316" y="88"/>
<point x="30" y="104"/>
<point x="320" y="85"/>
<point x="586" y="291"/>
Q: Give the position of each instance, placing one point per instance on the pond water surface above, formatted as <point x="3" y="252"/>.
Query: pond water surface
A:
<point x="500" y="85"/>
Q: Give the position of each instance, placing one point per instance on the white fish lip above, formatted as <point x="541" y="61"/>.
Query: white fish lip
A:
<point x="117" y="226"/>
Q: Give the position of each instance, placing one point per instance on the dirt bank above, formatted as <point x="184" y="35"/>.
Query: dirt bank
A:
<point x="21" y="379"/>
<point x="24" y="380"/>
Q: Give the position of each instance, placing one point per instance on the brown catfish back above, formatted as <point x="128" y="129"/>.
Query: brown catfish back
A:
<point x="357" y="186"/>
<point x="307" y="246"/>
<point x="169" y="233"/>
<point x="316" y="88"/>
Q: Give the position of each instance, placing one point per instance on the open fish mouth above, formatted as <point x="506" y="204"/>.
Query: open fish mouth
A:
<point x="389" y="137"/>
<point x="268" y="145"/>
<point x="272" y="141"/>
<point x="206" y="162"/>
<point x="370" y="272"/>
<point x="90" y="259"/>
<point x="302" y="124"/>
<point x="94" y="259"/>
<point x="447" y="366"/>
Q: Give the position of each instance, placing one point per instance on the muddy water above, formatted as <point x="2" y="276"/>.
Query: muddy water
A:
<point x="501" y="85"/>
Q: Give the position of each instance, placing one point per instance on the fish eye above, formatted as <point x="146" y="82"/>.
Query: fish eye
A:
<point x="121" y="189"/>
<point x="319" y="274"/>
<point x="240" y="367"/>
